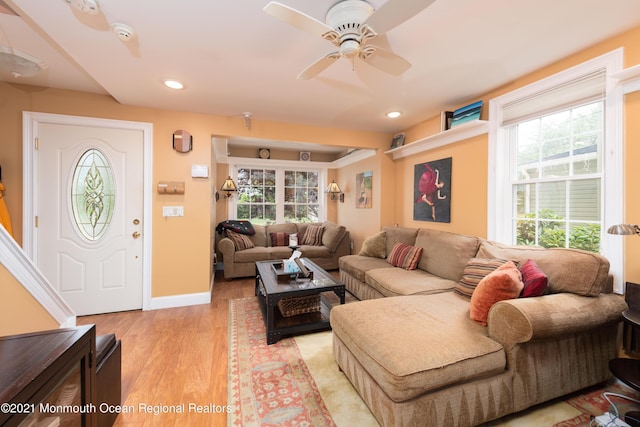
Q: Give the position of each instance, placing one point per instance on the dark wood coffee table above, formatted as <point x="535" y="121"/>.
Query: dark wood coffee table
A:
<point x="270" y="290"/>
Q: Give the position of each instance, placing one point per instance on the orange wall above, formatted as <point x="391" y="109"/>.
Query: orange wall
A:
<point x="470" y="163"/>
<point x="181" y="246"/>
<point x="14" y="319"/>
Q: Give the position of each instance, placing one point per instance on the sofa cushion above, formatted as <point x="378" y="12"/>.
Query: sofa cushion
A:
<point x="251" y="255"/>
<point x="578" y="272"/>
<point x="240" y="241"/>
<point x="405" y="256"/>
<point x="332" y="235"/>
<point x="397" y="281"/>
<point x="411" y="345"/>
<point x="503" y="283"/>
<point x="534" y="279"/>
<point x="260" y="237"/>
<point x="358" y="265"/>
<point x="312" y="235"/>
<point x="399" y="235"/>
<point x="279" y="238"/>
<point x="445" y="254"/>
<point x="309" y="251"/>
<point x="476" y="270"/>
<point x="375" y="245"/>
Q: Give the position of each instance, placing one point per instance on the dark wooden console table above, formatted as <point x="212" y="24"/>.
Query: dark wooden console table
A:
<point x="49" y="377"/>
<point x="270" y="290"/>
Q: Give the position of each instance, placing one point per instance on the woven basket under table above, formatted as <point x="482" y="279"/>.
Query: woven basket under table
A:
<point x="292" y="306"/>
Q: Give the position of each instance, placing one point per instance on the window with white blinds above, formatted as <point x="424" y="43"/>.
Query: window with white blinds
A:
<point x="556" y="161"/>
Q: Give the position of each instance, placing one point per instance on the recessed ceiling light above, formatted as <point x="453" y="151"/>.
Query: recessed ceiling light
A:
<point x="393" y="114"/>
<point x="173" y="84"/>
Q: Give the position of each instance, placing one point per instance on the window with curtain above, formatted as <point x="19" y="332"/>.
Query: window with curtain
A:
<point x="278" y="195"/>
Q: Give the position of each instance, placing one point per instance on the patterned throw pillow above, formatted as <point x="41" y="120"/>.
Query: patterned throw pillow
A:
<point x="240" y="241"/>
<point x="503" y="283"/>
<point x="312" y="235"/>
<point x="405" y="256"/>
<point x="279" y="239"/>
<point x="535" y="281"/>
<point x="475" y="270"/>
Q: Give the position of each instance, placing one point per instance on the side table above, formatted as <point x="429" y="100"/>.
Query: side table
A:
<point x="628" y="370"/>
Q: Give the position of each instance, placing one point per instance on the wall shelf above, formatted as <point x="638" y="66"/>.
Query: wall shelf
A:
<point x="629" y="78"/>
<point x="458" y="133"/>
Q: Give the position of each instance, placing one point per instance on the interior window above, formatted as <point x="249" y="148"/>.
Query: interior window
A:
<point x="278" y="195"/>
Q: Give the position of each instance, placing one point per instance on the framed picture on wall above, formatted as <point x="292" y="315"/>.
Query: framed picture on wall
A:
<point x="364" y="187"/>
<point x="432" y="191"/>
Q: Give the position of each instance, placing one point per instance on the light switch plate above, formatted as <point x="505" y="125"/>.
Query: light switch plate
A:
<point x="172" y="211"/>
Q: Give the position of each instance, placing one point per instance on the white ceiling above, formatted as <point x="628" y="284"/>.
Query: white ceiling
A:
<point x="234" y="58"/>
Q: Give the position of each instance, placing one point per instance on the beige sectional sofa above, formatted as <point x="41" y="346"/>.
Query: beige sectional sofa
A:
<point x="416" y="358"/>
<point x="241" y="263"/>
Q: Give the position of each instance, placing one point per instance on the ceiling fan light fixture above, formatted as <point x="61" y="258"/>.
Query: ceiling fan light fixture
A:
<point x="393" y="114"/>
<point x="90" y="7"/>
<point x="173" y="84"/>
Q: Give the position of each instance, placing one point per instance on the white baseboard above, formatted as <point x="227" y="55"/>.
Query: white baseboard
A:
<point x="173" y="301"/>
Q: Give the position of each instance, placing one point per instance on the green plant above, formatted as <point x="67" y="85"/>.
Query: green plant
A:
<point x="552" y="234"/>
<point x="585" y="237"/>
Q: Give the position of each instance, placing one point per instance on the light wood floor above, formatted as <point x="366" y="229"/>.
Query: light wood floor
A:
<point x="173" y="357"/>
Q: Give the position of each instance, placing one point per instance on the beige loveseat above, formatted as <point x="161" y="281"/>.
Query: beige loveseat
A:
<point x="241" y="263"/>
<point x="415" y="356"/>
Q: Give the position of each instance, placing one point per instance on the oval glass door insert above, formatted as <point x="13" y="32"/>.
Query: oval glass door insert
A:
<point x="92" y="194"/>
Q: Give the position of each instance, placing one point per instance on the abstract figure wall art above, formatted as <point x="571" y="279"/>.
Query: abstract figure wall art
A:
<point x="432" y="191"/>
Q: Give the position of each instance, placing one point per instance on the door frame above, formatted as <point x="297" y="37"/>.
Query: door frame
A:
<point x="30" y="123"/>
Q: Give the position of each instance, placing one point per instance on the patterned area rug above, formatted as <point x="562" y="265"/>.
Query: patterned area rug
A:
<point x="268" y="384"/>
<point x="295" y="382"/>
<point x="594" y="402"/>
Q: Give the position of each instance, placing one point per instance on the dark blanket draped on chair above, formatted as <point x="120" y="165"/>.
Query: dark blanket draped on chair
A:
<point x="238" y="226"/>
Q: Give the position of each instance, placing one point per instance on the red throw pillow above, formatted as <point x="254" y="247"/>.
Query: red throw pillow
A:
<point x="535" y="281"/>
<point x="504" y="283"/>
<point x="279" y="239"/>
<point x="405" y="256"/>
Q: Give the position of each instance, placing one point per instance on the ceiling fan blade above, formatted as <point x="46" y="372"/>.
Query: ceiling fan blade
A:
<point x="297" y="19"/>
<point x="385" y="60"/>
<point x="395" y="12"/>
<point x="319" y="66"/>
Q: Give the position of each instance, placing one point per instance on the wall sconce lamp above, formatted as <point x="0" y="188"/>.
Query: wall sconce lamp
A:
<point x="624" y="229"/>
<point x="335" y="191"/>
<point x="229" y="186"/>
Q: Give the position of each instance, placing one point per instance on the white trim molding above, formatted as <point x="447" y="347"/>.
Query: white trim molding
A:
<point x="613" y="154"/>
<point x="30" y="123"/>
<point x="22" y="268"/>
<point x="629" y="78"/>
<point x="183" y="300"/>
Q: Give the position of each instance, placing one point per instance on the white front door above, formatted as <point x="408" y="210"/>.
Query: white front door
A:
<point x="90" y="211"/>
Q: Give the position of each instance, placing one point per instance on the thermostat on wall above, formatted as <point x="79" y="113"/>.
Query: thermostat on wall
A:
<point x="199" y="171"/>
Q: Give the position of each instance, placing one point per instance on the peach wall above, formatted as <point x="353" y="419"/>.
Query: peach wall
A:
<point x="470" y="162"/>
<point x="632" y="184"/>
<point x="19" y="311"/>
<point x="468" y="187"/>
<point x="362" y="223"/>
<point x="181" y="246"/>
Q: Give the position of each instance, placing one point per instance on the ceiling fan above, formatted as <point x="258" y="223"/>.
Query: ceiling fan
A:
<point x="350" y="25"/>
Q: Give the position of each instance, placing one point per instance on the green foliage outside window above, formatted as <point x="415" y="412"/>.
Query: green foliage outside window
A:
<point x="551" y="230"/>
